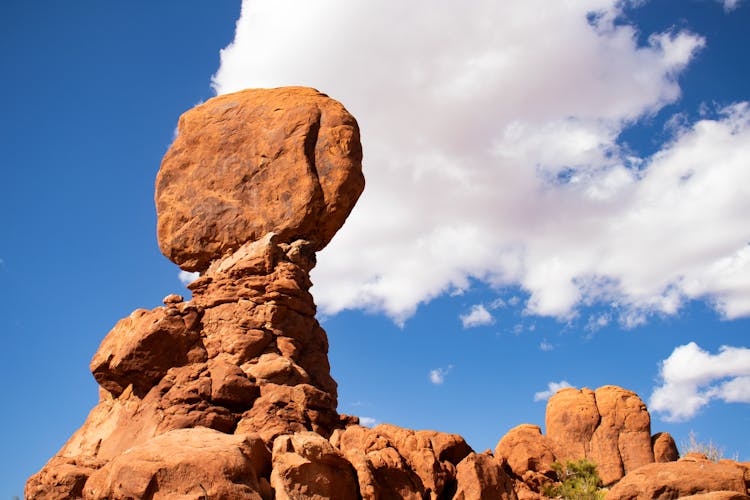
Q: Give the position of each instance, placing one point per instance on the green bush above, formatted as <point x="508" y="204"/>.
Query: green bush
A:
<point x="578" y="480"/>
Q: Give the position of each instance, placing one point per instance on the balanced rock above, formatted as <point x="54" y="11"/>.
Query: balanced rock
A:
<point x="285" y="160"/>
<point x="255" y="183"/>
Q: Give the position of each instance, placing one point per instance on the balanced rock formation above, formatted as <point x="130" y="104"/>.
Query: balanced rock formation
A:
<point x="254" y="184"/>
<point x="229" y="395"/>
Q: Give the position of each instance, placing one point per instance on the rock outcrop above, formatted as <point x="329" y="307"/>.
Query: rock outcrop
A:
<point x="691" y="475"/>
<point x="254" y="184"/>
<point x="610" y="426"/>
<point x="229" y="395"/>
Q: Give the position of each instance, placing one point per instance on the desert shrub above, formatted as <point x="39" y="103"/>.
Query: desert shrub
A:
<point x="578" y="480"/>
<point x="712" y="451"/>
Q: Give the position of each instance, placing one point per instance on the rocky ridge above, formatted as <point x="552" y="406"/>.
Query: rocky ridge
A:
<point x="229" y="395"/>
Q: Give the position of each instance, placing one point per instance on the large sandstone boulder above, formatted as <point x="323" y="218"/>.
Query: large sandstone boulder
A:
<point x="680" y="479"/>
<point x="571" y="419"/>
<point x="305" y="465"/>
<point x="665" y="449"/>
<point x="392" y="462"/>
<point x="284" y="160"/>
<point x="186" y="463"/>
<point x="526" y="449"/>
<point x="610" y="426"/>
<point x="481" y="477"/>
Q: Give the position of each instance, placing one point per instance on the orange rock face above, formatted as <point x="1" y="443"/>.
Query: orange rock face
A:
<point x="610" y="426"/>
<point x="665" y="449"/>
<point x="186" y="463"/>
<point x="286" y="161"/>
<point x="526" y="449"/>
<point x="680" y="479"/>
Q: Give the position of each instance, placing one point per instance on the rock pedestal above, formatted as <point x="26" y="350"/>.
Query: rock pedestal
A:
<point x="254" y="184"/>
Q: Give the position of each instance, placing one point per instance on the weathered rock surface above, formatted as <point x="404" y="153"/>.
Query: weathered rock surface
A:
<point x="679" y="479"/>
<point x="526" y="449"/>
<point x="194" y="394"/>
<point x="610" y="426"/>
<point x="481" y="477"/>
<point x="665" y="449"/>
<point x="392" y="462"/>
<point x="185" y="463"/>
<point x="285" y="160"/>
<point x="253" y="185"/>
<point x="305" y="465"/>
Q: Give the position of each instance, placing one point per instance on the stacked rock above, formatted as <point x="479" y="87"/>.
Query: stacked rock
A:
<point x="254" y="184"/>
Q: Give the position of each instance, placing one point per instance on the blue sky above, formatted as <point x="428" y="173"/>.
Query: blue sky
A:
<point x="553" y="196"/>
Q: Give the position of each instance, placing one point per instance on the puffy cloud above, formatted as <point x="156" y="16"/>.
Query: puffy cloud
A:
<point x="552" y="388"/>
<point x="367" y="421"/>
<point x="478" y="316"/>
<point x="186" y="278"/>
<point x="491" y="154"/>
<point x="437" y="376"/>
<point x="691" y="377"/>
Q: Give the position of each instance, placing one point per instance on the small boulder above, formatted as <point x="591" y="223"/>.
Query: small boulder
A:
<point x="305" y="465"/>
<point x="481" y="477"/>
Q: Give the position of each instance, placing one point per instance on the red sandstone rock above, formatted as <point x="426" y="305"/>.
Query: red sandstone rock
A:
<point x="526" y="449"/>
<point x="392" y="461"/>
<point x="305" y="465"/>
<point x="142" y="347"/>
<point x="610" y="427"/>
<point x="665" y="449"/>
<point x="283" y="160"/>
<point x="679" y="479"/>
<point x="717" y="495"/>
<point x="62" y="477"/>
<point x="481" y="477"/>
<point x="572" y="417"/>
<point x="622" y="440"/>
<point x="184" y="463"/>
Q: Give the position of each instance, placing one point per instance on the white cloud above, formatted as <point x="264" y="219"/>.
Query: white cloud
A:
<point x="437" y="376"/>
<point x="367" y="421"/>
<point x="597" y="321"/>
<point x="186" y="278"/>
<point x="730" y="5"/>
<point x="478" y="316"/>
<point x="552" y="388"/>
<point x="691" y="377"/>
<point x="491" y="154"/>
<point x="546" y="346"/>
